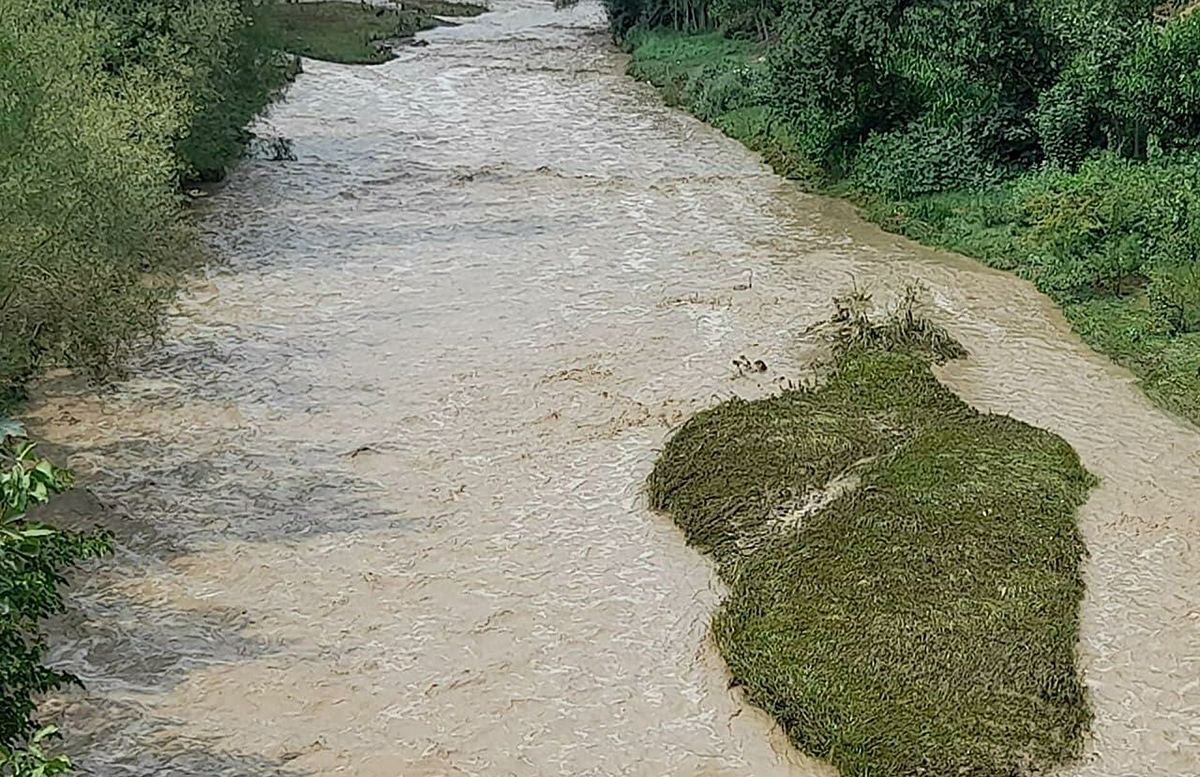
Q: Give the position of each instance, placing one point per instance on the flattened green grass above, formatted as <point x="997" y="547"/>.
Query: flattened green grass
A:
<point x="924" y="622"/>
<point x="347" y="32"/>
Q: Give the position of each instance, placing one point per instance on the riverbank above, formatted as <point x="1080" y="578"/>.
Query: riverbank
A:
<point x="1113" y="243"/>
<point x="356" y="34"/>
<point x="109" y="111"/>
<point x="112" y="112"/>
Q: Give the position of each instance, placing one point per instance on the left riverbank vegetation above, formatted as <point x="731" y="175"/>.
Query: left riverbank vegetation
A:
<point x="1059" y="139"/>
<point x="109" y="111"/>
<point x="904" y="572"/>
<point x="34" y="557"/>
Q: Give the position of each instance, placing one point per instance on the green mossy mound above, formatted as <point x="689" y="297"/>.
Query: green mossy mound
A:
<point x="904" y="571"/>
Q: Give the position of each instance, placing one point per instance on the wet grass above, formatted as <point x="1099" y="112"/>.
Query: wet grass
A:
<point x="904" y="571"/>
<point x="350" y="33"/>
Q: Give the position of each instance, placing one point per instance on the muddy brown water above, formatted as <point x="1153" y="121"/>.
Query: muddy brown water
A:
<point x="379" y="491"/>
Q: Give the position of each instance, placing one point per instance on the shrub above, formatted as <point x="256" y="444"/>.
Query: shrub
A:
<point x="33" y="558"/>
<point x="828" y="75"/>
<point x="1157" y="87"/>
<point x="107" y="105"/>
<point x="723" y="88"/>
<point x="921" y="160"/>
<point x="1174" y="294"/>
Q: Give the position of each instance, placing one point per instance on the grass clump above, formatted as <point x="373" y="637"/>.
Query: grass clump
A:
<point x="904" y="571"/>
<point x="350" y="33"/>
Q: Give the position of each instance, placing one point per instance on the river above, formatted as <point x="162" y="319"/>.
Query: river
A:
<point x="379" y="490"/>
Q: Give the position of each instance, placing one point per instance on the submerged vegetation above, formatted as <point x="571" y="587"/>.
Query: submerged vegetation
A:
<point x="904" y="572"/>
<point x="1059" y="139"/>
<point x="356" y="34"/>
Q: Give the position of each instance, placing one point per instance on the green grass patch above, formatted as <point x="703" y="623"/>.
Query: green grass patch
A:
<point x="349" y="33"/>
<point x="904" y="571"/>
<point x="441" y="7"/>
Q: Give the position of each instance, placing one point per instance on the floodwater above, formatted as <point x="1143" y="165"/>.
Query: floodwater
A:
<point x="378" y="493"/>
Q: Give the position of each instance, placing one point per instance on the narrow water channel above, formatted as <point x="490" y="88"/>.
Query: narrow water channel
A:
<point x="379" y="490"/>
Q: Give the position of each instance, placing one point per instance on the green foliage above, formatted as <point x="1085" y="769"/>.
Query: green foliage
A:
<point x="1115" y="242"/>
<point x="904" y="572"/>
<point x="1098" y="230"/>
<point x="33" y="559"/>
<point x="725" y="88"/>
<point x="963" y="74"/>
<point x="754" y="17"/>
<point x="922" y="160"/>
<point x="33" y="761"/>
<point x="242" y="73"/>
<point x="999" y="84"/>
<point x="1174" y="296"/>
<point x="1158" y="85"/>
<point x="105" y="107"/>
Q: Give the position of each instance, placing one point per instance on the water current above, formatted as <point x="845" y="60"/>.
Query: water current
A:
<point x="378" y="492"/>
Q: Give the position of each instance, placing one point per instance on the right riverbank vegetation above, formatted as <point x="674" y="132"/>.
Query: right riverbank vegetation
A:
<point x="1058" y="139"/>
<point x="903" y="571"/>
<point x="109" y="111"/>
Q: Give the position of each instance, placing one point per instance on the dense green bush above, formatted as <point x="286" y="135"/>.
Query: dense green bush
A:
<point x="1002" y="83"/>
<point x="921" y="160"/>
<point x="1099" y="230"/>
<point x="1158" y="85"/>
<point x="105" y="107"/>
<point x="1174" y="296"/>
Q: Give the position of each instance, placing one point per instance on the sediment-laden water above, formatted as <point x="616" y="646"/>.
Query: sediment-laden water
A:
<point x="379" y="491"/>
